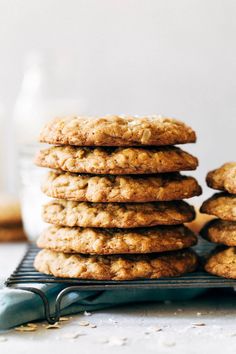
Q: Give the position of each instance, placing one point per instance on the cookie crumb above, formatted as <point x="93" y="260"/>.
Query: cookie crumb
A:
<point x="25" y="328"/>
<point x="53" y="326"/>
<point x="84" y="323"/>
<point x="32" y="325"/>
<point x="93" y="326"/>
<point x="153" y="329"/>
<point x="63" y="319"/>
<point x="116" y="341"/>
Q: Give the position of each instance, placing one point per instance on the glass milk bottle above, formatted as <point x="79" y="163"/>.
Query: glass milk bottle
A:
<point x="43" y="95"/>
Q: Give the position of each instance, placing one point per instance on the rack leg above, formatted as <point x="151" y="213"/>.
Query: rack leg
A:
<point x="48" y="317"/>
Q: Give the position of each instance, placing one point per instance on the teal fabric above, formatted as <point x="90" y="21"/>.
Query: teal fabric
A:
<point x="19" y="306"/>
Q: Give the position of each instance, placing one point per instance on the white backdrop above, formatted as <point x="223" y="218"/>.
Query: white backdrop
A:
<point x="172" y="57"/>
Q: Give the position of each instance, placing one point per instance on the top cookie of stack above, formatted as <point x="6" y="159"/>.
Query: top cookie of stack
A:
<point x="117" y="131"/>
<point x="117" y="172"/>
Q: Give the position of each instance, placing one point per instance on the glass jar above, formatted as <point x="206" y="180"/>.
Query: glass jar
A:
<point x="31" y="196"/>
<point x="49" y="88"/>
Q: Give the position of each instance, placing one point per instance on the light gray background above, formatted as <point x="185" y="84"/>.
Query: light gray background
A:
<point x="172" y="57"/>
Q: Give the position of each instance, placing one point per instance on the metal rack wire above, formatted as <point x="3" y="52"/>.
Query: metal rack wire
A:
<point x="25" y="277"/>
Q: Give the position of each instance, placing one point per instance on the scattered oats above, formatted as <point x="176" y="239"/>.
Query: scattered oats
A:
<point x="198" y="324"/>
<point x="157" y="329"/>
<point x="53" y="326"/>
<point x="113" y="341"/>
<point x="153" y="329"/>
<point x="116" y="341"/>
<point x="175" y="313"/>
<point x="84" y="323"/>
<point x="32" y="325"/>
<point x="93" y="326"/>
<point x="73" y="335"/>
<point x="3" y="339"/>
<point x="87" y="313"/>
<point x="199" y="313"/>
<point x="63" y="319"/>
<point x="25" y="329"/>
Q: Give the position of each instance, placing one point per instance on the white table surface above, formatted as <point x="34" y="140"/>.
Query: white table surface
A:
<point x="131" y="329"/>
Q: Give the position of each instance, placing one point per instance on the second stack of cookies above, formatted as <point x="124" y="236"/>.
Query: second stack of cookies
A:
<point x="119" y="211"/>
<point x="222" y="229"/>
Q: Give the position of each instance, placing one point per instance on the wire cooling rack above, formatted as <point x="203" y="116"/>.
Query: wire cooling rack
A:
<point x="25" y="277"/>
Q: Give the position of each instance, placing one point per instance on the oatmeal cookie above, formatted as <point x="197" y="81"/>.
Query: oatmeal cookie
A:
<point x="223" y="178"/>
<point x="116" y="241"/>
<point x="220" y="231"/>
<point x="222" y="205"/>
<point x="116" y="267"/>
<point x="113" y="215"/>
<point x="116" y="160"/>
<point x="117" y="131"/>
<point x="222" y="263"/>
<point x="121" y="189"/>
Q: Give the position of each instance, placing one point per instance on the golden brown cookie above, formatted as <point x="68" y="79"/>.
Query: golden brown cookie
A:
<point x="222" y="205"/>
<point x="219" y="231"/>
<point x="116" y="160"/>
<point x="116" y="267"/>
<point x="112" y="215"/>
<point x="117" y="131"/>
<point x="223" y="178"/>
<point x="222" y="263"/>
<point x="112" y="188"/>
<point x="115" y="241"/>
<point x="12" y="233"/>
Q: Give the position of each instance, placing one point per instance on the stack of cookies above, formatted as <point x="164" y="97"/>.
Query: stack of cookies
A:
<point x="11" y="229"/>
<point x="119" y="211"/>
<point x="222" y="230"/>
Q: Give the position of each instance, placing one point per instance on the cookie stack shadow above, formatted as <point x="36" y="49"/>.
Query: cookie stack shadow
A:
<point x="119" y="212"/>
<point x="222" y="229"/>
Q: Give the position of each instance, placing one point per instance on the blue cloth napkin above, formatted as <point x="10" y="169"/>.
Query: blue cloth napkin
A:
<point x="20" y="306"/>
